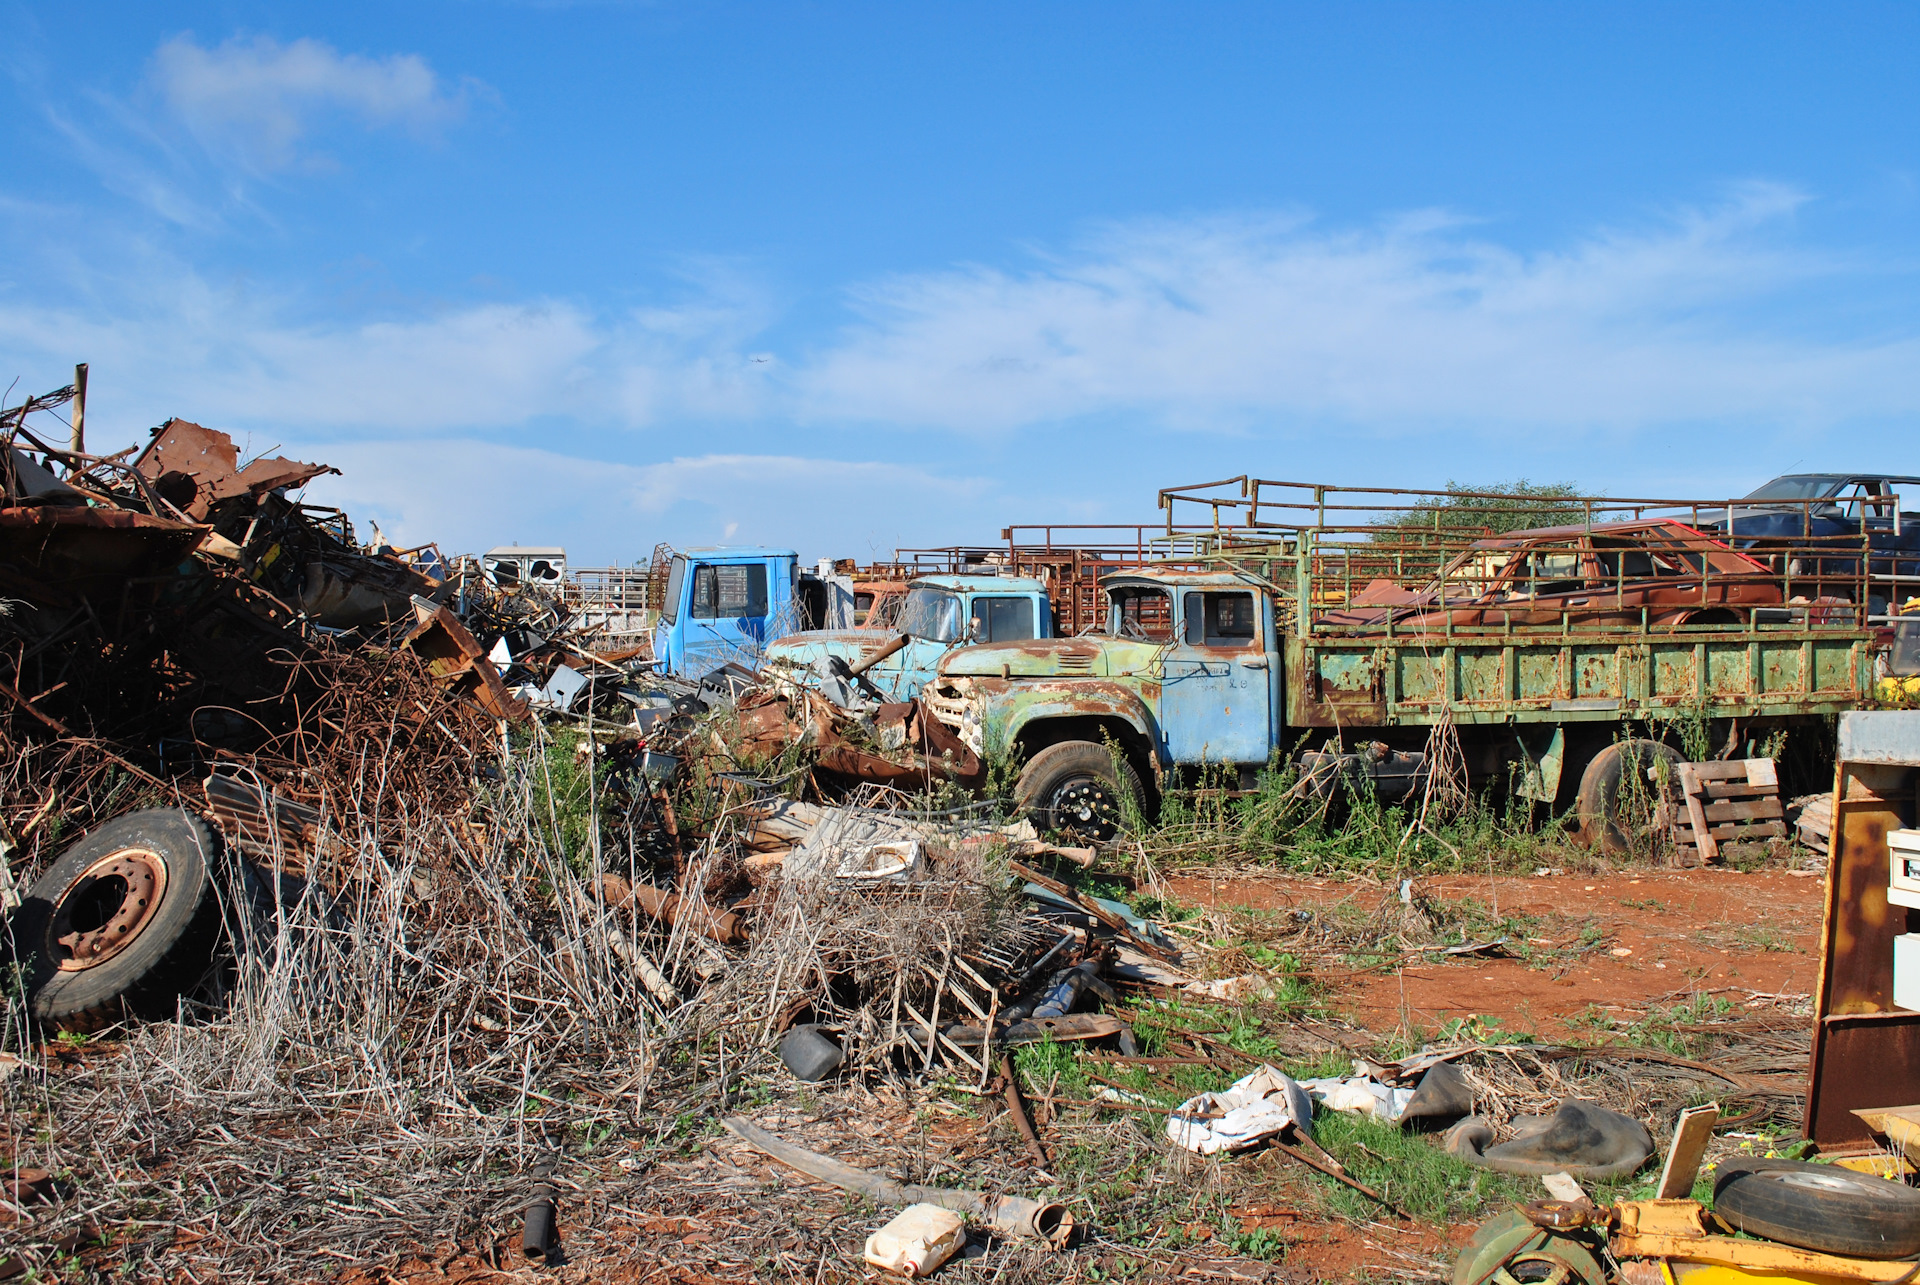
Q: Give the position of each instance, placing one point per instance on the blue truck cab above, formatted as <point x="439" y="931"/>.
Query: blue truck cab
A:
<point x="724" y="605"/>
<point x="940" y="614"/>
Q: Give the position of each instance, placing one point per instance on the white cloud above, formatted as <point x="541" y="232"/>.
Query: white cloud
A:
<point x="1235" y="321"/>
<point x="178" y="344"/>
<point x="472" y="495"/>
<point x="257" y="99"/>
<point x="1247" y="326"/>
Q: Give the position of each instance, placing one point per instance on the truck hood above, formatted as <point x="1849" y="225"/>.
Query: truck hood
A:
<point x="1098" y="657"/>
<point x="848" y="644"/>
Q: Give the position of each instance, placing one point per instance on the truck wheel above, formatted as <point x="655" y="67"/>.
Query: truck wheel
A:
<point x="1820" y="1207"/>
<point x="1616" y="802"/>
<point x="1072" y="787"/>
<point x="122" y="923"/>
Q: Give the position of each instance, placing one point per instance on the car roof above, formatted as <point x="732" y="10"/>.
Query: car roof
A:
<point x="1631" y="527"/>
<point x="524" y="551"/>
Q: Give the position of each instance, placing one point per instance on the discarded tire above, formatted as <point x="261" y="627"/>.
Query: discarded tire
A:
<point x="122" y="923"/>
<point x="1820" y="1207"/>
<point x="1616" y="800"/>
<point x="1073" y="787"/>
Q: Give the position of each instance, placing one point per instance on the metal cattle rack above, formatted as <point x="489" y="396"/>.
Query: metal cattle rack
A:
<point x="1400" y="606"/>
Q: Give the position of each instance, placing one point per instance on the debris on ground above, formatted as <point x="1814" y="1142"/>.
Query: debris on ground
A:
<point x="378" y="910"/>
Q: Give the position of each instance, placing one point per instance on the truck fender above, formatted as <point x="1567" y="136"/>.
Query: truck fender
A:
<point x="1077" y="704"/>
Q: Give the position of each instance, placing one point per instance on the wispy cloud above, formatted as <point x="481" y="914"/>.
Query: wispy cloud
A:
<point x="256" y="100"/>
<point x="469" y="494"/>
<point x="1268" y="330"/>
<point x="1232" y="322"/>
<point x="1244" y="325"/>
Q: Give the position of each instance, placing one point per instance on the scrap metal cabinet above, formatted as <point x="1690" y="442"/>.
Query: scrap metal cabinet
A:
<point x="1866" y="1049"/>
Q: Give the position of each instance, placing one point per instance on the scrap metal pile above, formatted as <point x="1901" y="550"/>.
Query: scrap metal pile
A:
<point x="357" y="817"/>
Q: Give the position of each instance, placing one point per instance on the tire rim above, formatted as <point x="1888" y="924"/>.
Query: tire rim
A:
<point x="1817" y="1181"/>
<point x="108" y="906"/>
<point x="1086" y="805"/>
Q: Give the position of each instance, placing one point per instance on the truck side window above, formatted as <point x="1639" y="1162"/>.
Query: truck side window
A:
<point x="670" y="604"/>
<point x="723" y="593"/>
<point x="1004" y="619"/>
<point x="1145" y="615"/>
<point x="1220" y="619"/>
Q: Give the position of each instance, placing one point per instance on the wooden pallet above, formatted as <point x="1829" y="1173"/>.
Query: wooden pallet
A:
<point x="1725" y="802"/>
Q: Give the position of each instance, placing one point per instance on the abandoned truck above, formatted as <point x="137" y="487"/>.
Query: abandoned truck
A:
<point x="1267" y="649"/>
<point x="939" y="614"/>
<point x="723" y="606"/>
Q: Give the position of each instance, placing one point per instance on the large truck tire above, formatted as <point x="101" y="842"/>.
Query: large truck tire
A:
<point x="1073" y="787"/>
<point x="1615" y="801"/>
<point x="122" y="923"/>
<point x="1819" y="1207"/>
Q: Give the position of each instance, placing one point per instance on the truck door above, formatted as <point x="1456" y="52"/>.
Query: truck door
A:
<point x="1215" y="700"/>
<point x="726" y="616"/>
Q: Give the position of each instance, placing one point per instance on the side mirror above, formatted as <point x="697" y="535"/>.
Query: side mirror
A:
<point x="974" y="630"/>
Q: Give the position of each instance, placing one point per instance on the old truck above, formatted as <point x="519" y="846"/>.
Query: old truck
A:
<point x="1254" y="650"/>
<point x="939" y="613"/>
<point x="722" y="606"/>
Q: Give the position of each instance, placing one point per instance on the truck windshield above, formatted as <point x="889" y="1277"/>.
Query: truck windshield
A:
<point x="670" y="605"/>
<point x="933" y="614"/>
<point x="1142" y="614"/>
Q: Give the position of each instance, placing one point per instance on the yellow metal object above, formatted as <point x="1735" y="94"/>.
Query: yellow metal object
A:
<point x="1901" y="693"/>
<point x="1717" y="1274"/>
<point x="1674" y="1233"/>
<point x="1900" y="1124"/>
<point x="1892" y="1168"/>
<point x="1659" y="1218"/>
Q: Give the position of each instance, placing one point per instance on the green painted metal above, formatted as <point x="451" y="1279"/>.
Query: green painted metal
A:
<point x="1360" y="682"/>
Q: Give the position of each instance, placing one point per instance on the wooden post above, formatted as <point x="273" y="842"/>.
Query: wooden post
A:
<point x="80" y="409"/>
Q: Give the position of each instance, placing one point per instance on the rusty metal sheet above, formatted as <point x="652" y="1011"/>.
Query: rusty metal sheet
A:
<point x="455" y="657"/>
<point x="194" y="468"/>
<point x="67" y="542"/>
<point x="1866" y="1052"/>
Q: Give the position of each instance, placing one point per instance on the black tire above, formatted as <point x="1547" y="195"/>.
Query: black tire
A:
<point x="1072" y="787"/>
<point x="1820" y="1207"/>
<point x="1608" y="823"/>
<point x="146" y="949"/>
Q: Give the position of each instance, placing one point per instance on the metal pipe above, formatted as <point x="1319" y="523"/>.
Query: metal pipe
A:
<point x="865" y="663"/>
<point x="1045" y="1221"/>
<point x="537" y="1239"/>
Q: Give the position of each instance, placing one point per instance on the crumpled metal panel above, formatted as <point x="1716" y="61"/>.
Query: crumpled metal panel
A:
<point x="194" y="468"/>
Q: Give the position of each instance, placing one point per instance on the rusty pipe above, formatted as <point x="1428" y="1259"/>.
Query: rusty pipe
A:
<point x="865" y="663"/>
<point x="722" y="926"/>
<point x="1046" y="1221"/>
<point x="1018" y="1110"/>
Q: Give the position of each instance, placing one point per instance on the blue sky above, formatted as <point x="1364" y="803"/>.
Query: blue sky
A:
<point x="846" y="277"/>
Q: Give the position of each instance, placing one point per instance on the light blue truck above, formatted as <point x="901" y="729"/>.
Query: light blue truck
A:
<point x="941" y="613"/>
<point x="724" y="605"/>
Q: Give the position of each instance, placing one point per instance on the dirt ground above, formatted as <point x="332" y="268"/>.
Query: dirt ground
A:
<point x="1665" y="935"/>
<point x="717" y="1211"/>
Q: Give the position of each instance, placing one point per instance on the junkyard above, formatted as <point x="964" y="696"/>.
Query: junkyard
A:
<point x="1307" y="883"/>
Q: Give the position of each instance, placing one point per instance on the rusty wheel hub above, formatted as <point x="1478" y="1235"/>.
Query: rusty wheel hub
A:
<point x="103" y="910"/>
<point x="1087" y="806"/>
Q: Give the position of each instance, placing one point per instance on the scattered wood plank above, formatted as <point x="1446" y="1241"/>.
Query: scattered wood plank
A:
<point x="1689" y="1146"/>
<point x="1724" y="802"/>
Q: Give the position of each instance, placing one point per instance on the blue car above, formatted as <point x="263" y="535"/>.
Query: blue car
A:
<point x="1816" y="524"/>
